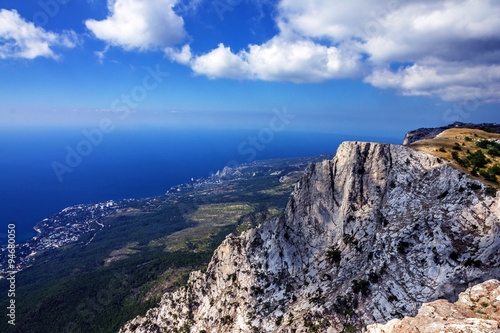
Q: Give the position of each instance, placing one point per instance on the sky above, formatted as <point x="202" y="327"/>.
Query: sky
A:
<point x="358" y="66"/>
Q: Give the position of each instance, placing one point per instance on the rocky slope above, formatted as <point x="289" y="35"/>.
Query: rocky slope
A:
<point x="477" y="310"/>
<point x="430" y="133"/>
<point x="365" y="237"/>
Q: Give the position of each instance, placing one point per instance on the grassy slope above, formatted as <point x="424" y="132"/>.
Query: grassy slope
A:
<point x="449" y="138"/>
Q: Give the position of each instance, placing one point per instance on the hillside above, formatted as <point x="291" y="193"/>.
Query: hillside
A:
<point x="366" y="237"/>
<point x="118" y="258"/>
<point x="472" y="151"/>
<point x="430" y="133"/>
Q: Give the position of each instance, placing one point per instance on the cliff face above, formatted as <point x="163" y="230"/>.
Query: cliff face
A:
<point x="477" y="310"/>
<point x="365" y="237"/>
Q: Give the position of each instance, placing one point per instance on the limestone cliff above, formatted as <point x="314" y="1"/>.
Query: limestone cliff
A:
<point x="365" y="237"/>
<point x="477" y="310"/>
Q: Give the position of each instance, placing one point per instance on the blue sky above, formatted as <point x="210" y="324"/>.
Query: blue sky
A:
<point x="348" y="67"/>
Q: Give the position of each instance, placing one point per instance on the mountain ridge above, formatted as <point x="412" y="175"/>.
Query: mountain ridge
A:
<point x="430" y="133"/>
<point x="379" y="220"/>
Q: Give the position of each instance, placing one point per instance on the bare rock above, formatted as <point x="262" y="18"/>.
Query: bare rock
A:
<point x="366" y="237"/>
<point x="477" y="310"/>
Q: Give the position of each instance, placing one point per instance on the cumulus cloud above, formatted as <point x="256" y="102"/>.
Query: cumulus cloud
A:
<point x="21" y="39"/>
<point x="280" y="59"/>
<point x="140" y="24"/>
<point x="442" y="48"/>
<point x="449" y="81"/>
<point x="182" y="56"/>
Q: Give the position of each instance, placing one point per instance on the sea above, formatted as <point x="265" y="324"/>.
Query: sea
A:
<point x="44" y="170"/>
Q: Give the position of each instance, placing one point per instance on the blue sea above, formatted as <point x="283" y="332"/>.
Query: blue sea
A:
<point x="127" y="163"/>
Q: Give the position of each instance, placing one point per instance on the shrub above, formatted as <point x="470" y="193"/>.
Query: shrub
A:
<point x="333" y="255"/>
<point x="491" y="191"/>
<point x="348" y="328"/>
<point x="373" y="277"/>
<point x="403" y="247"/>
<point x="474" y="186"/>
<point x="442" y="150"/>
<point x="488" y="176"/>
<point x="478" y="159"/>
<point x="468" y="138"/>
<point x="494" y="152"/>
<point x="495" y="170"/>
<point x="345" y="305"/>
<point x="461" y="161"/>
<point x="279" y="320"/>
<point x="392" y="298"/>
<point x="361" y="286"/>
<point x="476" y="263"/>
<point x="442" y="195"/>
<point x="483" y="144"/>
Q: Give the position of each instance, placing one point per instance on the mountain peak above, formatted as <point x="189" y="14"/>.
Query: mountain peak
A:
<point x="367" y="236"/>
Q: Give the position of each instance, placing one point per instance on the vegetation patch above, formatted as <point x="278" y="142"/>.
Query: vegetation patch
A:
<point x="475" y="152"/>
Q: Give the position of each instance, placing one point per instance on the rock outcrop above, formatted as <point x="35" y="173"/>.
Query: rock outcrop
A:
<point x="365" y="237"/>
<point x="477" y="310"/>
<point x="430" y="133"/>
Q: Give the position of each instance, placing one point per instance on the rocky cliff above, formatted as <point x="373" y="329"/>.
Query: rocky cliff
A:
<point x="477" y="310"/>
<point x="365" y="237"/>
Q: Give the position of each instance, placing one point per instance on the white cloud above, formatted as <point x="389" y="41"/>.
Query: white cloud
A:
<point x="450" y="82"/>
<point x="140" y="24"/>
<point x="422" y="47"/>
<point x="183" y="56"/>
<point x="221" y="63"/>
<point x="280" y="59"/>
<point x="447" y="47"/>
<point x="21" y="39"/>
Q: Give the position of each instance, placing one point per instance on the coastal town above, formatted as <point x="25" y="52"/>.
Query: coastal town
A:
<point x="69" y="225"/>
<point x="64" y="228"/>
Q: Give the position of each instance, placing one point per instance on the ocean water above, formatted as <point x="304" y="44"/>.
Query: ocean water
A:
<point x="125" y="164"/>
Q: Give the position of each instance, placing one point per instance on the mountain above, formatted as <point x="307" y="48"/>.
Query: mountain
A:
<point x="365" y="237"/>
<point x="93" y="267"/>
<point x="477" y="310"/>
<point x="430" y="133"/>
